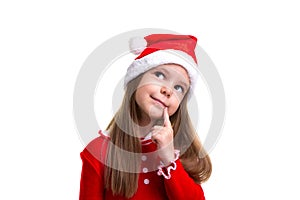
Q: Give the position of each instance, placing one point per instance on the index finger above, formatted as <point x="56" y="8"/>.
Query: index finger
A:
<point x="167" y="122"/>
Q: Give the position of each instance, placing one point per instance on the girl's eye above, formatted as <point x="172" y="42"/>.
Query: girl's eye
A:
<point x="159" y="75"/>
<point x="179" y="88"/>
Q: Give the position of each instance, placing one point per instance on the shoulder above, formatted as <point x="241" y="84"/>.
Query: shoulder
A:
<point x="98" y="143"/>
<point x="95" y="152"/>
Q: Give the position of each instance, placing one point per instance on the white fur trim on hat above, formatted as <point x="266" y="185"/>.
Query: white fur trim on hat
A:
<point x="161" y="57"/>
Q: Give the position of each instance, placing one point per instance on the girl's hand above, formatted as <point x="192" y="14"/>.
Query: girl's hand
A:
<point x="163" y="137"/>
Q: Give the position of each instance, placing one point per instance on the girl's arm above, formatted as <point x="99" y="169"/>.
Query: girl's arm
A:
<point x="178" y="184"/>
<point x="92" y="180"/>
<point x="91" y="185"/>
<point x="181" y="185"/>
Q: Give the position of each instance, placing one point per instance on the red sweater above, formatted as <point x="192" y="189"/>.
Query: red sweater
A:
<point x="150" y="184"/>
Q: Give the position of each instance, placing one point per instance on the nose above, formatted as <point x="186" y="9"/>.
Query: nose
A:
<point x="166" y="91"/>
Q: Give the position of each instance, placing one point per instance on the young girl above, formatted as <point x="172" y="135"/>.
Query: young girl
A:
<point x="150" y="149"/>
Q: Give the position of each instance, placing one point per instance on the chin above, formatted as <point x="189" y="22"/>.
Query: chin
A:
<point x="156" y="112"/>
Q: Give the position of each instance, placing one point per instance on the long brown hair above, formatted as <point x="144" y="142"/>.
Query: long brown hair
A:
<point x="121" y="176"/>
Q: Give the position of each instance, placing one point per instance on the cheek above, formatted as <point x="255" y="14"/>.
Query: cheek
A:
<point x="174" y="107"/>
<point x="138" y="96"/>
<point x="141" y="94"/>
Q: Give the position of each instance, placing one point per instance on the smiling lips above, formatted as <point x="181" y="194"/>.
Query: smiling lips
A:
<point x="159" y="101"/>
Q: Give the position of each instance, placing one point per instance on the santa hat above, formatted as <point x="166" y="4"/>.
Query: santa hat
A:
<point x="158" y="49"/>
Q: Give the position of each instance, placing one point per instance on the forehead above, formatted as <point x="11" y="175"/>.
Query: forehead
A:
<point x="174" y="70"/>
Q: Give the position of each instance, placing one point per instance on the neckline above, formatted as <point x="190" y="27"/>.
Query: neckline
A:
<point x="145" y="140"/>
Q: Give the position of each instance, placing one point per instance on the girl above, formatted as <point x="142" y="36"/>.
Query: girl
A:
<point x="150" y="149"/>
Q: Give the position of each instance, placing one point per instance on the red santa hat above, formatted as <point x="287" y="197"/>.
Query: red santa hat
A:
<point x="158" y="49"/>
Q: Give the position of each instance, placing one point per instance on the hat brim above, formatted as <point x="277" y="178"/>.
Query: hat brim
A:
<point x="161" y="57"/>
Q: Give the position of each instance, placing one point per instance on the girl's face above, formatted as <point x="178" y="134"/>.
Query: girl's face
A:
<point x="160" y="87"/>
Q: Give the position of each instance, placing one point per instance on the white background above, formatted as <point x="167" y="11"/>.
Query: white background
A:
<point x="254" y="45"/>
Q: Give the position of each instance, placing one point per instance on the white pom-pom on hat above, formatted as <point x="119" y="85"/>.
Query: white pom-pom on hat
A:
<point x="137" y="45"/>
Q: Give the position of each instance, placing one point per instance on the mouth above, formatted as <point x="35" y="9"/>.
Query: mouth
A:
<point x="159" y="101"/>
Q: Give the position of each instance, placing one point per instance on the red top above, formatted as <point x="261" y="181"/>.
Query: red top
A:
<point x="150" y="185"/>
